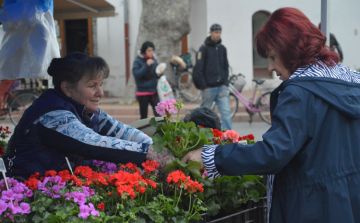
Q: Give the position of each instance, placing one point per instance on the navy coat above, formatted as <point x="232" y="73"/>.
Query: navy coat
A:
<point x="312" y="147"/>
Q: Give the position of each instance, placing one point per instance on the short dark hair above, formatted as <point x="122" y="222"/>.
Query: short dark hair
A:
<point x="146" y="45"/>
<point x="74" y="66"/>
<point x="298" y="41"/>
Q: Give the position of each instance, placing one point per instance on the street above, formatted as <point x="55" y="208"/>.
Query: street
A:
<point x="243" y="128"/>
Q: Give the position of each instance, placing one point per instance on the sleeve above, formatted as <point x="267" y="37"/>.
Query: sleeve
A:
<point x="61" y="130"/>
<point x="280" y="143"/>
<point x="140" y="70"/>
<point x="200" y="67"/>
<point x="111" y="127"/>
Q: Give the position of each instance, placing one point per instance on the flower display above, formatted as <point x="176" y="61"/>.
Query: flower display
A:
<point x="129" y="193"/>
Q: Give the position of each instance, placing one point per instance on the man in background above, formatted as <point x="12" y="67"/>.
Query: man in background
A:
<point x="211" y="74"/>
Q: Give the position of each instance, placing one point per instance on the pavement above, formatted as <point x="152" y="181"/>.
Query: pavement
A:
<point x="130" y="112"/>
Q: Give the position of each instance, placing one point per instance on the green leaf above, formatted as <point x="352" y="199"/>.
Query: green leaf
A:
<point x="212" y="208"/>
<point x="158" y="143"/>
<point x="209" y="192"/>
<point x="207" y="133"/>
<point x="179" y="219"/>
<point x="171" y="166"/>
<point x="190" y="124"/>
<point x="153" y="122"/>
<point x="36" y="217"/>
<point x="194" y="168"/>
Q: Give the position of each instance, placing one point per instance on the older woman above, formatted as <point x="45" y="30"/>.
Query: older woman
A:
<point x="66" y="122"/>
<point x="312" y="147"/>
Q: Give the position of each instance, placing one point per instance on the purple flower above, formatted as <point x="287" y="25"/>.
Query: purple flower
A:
<point x="18" y="197"/>
<point x="18" y="188"/>
<point x="93" y="211"/>
<point x="7" y="195"/>
<point x="14" y="208"/>
<point x="28" y="193"/>
<point x="97" y="162"/>
<point x="87" y="191"/>
<point x="79" y="197"/>
<point x="25" y="208"/>
<point x="84" y="211"/>
<point x="68" y="196"/>
<point x="109" y="167"/>
<point x="3" y="206"/>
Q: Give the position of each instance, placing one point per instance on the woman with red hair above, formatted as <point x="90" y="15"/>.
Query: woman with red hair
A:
<point x="311" y="152"/>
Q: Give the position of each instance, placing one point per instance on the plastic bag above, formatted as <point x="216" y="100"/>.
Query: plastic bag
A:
<point x="164" y="89"/>
<point x="29" y="43"/>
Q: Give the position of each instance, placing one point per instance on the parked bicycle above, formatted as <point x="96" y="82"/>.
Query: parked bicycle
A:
<point x="15" y="102"/>
<point x="184" y="82"/>
<point x="262" y="105"/>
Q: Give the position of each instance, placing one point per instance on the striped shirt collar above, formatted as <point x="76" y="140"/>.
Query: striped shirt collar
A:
<point x="338" y="71"/>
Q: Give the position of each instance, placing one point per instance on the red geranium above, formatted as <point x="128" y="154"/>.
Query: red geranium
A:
<point x="150" y="165"/>
<point x="101" y="206"/>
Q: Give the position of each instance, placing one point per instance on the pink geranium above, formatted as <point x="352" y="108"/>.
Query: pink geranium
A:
<point x="230" y="134"/>
<point x="166" y="107"/>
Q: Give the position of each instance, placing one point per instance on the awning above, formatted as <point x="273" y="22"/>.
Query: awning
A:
<point x="81" y="9"/>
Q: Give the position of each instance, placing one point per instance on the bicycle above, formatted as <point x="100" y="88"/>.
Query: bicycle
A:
<point x="184" y="83"/>
<point x="15" y="103"/>
<point x="262" y="105"/>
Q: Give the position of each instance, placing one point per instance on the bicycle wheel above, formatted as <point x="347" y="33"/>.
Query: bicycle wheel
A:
<point x="187" y="87"/>
<point x="18" y="104"/>
<point x="234" y="103"/>
<point x="263" y="103"/>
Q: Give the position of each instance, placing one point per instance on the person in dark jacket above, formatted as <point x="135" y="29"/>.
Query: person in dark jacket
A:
<point x="146" y="79"/>
<point x="311" y="152"/>
<point x="66" y="122"/>
<point x="211" y="74"/>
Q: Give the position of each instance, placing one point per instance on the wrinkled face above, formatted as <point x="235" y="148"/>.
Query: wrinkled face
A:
<point x="215" y="35"/>
<point x="88" y="93"/>
<point x="276" y="64"/>
<point x="149" y="52"/>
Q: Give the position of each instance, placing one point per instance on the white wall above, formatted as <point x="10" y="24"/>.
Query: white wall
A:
<point x="135" y="8"/>
<point x="199" y="25"/>
<point x="236" y="19"/>
<point x="111" y="47"/>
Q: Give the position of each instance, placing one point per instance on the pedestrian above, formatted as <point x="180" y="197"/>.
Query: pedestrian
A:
<point x="146" y="79"/>
<point x="335" y="44"/>
<point x="311" y="151"/>
<point x="211" y="74"/>
<point x="66" y="123"/>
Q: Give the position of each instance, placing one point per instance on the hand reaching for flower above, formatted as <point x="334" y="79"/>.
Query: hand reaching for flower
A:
<point x="194" y="155"/>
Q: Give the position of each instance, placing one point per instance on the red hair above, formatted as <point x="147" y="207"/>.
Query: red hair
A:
<point x="297" y="41"/>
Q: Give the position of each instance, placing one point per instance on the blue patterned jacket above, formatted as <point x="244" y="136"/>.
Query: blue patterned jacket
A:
<point x="54" y="127"/>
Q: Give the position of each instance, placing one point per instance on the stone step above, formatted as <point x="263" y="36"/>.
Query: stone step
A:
<point x="134" y="110"/>
<point x="239" y="117"/>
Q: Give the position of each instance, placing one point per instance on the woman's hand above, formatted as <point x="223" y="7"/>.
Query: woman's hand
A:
<point x="194" y="156"/>
<point x="149" y="62"/>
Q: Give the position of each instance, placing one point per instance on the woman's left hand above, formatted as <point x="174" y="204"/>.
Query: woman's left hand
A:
<point x="194" y="156"/>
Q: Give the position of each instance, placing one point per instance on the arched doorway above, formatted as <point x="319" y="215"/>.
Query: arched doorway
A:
<point x="260" y="65"/>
